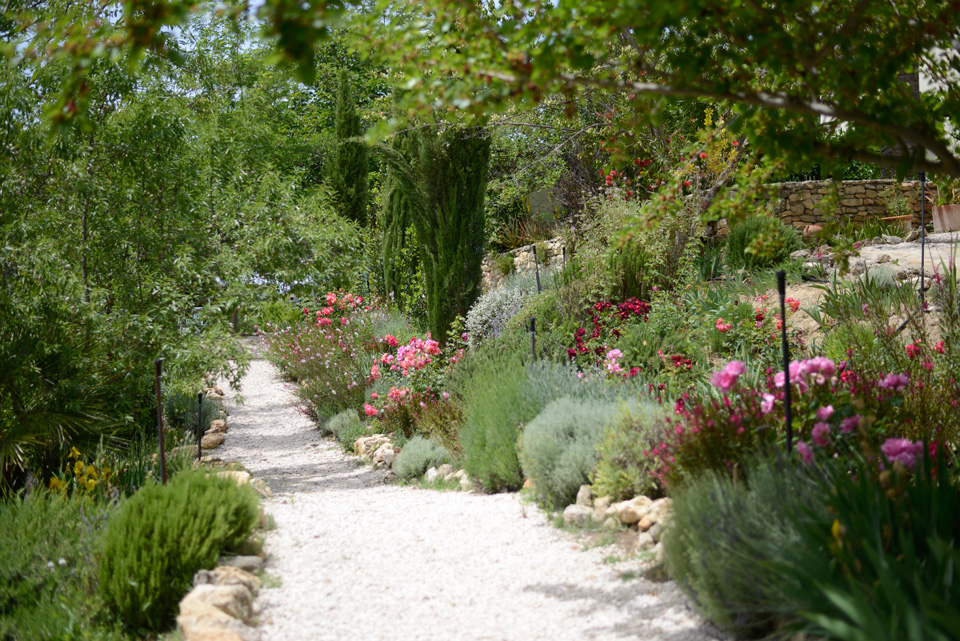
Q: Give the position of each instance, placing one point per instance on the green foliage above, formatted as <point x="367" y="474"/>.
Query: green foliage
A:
<point x="624" y="468"/>
<point x="761" y="241"/>
<point x="725" y="536"/>
<point x="180" y="410"/>
<point x="162" y="535"/>
<point x="506" y="264"/>
<point x="348" y="170"/>
<point x="443" y="178"/>
<point x="42" y="597"/>
<point x="880" y="564"/>
<point x="558" y="448"/>
<point x="417" y="456"/>
<point x="341" y="423"/>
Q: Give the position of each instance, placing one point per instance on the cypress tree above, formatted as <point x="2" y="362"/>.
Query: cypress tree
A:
<point x="348" y="169"/>
<point x="394" y="221"/>
<point x="450" y="229"/>
<point x="440" y="180"/>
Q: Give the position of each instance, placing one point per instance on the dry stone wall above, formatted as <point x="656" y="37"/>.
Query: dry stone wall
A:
<point x="523" y="261"/>
<point x="859" y="201"/>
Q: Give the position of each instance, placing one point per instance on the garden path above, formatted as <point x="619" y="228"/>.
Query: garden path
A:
<point x="358" y="559"/>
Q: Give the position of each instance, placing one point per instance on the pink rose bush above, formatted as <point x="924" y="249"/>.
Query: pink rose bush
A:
<point x="326" y="354"/>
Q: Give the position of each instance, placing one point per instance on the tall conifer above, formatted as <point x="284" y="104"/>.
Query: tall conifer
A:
<point x="348" y="169"/>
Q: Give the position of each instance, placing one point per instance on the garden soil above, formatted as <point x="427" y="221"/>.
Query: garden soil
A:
<point x="354" y="558"/>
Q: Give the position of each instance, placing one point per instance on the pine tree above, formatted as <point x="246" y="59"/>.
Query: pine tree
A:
<point x="348" y="169"/>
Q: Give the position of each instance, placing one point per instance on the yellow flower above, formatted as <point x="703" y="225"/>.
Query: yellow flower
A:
<point x="55" y="483"/>
<point x="78" y="468"/>
<point x="74" y="453"/>
<point x="90" y="484"/>
<point x="91" y="471"/>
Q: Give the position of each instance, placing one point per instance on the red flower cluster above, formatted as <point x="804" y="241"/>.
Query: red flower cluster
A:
<point x="607" y="320"/>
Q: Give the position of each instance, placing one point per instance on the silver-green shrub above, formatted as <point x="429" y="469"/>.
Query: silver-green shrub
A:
<point x="623" y="470"/>
<point x="490" y="313"/>
<point x="419" y="455"/>
<point x="340" y="423"/>
<point x="558" y="448"/>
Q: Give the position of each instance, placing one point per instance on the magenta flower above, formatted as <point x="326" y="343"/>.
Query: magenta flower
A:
<point x="766" y="405"/>
<point x="903" y="451"/>
<point x="805" y="452"/>
<point x="848" y="425"/>
<point x="895" y="382"/>
<point x="821" y="434"/>
<point x="824" y="413"/>
<point x="727" y="377"/>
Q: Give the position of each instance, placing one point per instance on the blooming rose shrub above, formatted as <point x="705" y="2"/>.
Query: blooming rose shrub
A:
<point x="327" y="354"/>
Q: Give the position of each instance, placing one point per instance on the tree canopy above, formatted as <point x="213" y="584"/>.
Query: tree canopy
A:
<point x="808" y="79"/>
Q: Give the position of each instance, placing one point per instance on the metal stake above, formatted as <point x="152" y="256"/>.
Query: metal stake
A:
<point x="533" y="339"/>
<point x="199" y="426"/>
<point x="788" y="418"/>
<point x="536" y="265"/>
<point x="923" y="237"/>
<point x="158" y="365"/>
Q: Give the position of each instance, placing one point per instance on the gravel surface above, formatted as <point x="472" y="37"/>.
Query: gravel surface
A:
<point x="358" y="559"/>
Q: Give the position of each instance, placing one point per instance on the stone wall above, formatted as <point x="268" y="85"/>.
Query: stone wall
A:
<point x="860" y="201"/>
<point x="523" y="261"/>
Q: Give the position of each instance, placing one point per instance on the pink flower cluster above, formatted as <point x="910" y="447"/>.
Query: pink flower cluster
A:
<point x="895" y="382"/>
<point x="817" y="370"/>
<point x="902" y="451"/>
<point x="723" y="327"/>
<point x="726" y="378"/>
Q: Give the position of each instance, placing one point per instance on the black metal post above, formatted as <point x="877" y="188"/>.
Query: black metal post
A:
<point x="788" y="416"/>
<point x="536" y="266"/>
<point x="563" y="251"/>
<point x="533" y="339"/>
<point x="923" y="237"/>
<point x="199" y="426"/>
<point x="158" y="365"/>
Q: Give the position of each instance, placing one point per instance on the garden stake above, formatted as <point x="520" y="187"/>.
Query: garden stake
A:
<point x="199" y="425"/>
<point x="536" y="266"/>
<point x="158" y="364"/>
<point x="923" y="237"/>
<point x="533" y="340"/>
<point x="563" y="251"/>
<point x="788" y="417"/>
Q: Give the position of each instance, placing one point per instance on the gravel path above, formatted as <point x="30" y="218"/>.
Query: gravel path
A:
<point x="358" y="559"/>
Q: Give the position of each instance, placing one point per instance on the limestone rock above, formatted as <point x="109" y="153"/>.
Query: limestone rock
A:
<point x="432" y="475"/>
<point x="631" y="511"/>
<point x="450" y="478"/>
<point x="233" y="600"/>
<point x="184" y="450"/>
<point x="367" y="445"/>
<point x="239" y="476"/>
<point x="882" y="258"/>
<point x="912" y="236"/>
<point x="466" y="484"/>
<point x="656" y="532"/>
<point x="600" y="506"/>
<point x="577" y="515"/>
<point x="208" y="629"/>
<point x="384" y="456"/>
<point x="800" y="254"/>
<point x="585" y="496"/>
<point x="892" y="240"/>
<point x="217" y="426"/>
<point x="227" y="575"/>
<point x="446" y="469"/>
<point x="612" y="523"/>
<point x="645" y="541"/>
<point x="211" y="441"/>
<point x="245" y="563"/>
<point x="460" y="474"/>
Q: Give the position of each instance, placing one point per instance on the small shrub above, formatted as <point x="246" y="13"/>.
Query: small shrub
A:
<point x="162" y="535"/>
<point x="624" y="468"/>
<point x="489" y="315"/>
<point x="419" y="455"/>
<point x="340" y="423"/>
<point x="726" y="534"/>
<point x="40" y="597"/>
<point x="558" y="448"/>
<point x="543" y="253"/>
<point x="506" y="264"/>
<point x="761" y="241"/>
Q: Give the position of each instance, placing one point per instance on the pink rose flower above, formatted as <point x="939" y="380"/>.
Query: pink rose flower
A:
<point x="821" y="434"/>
